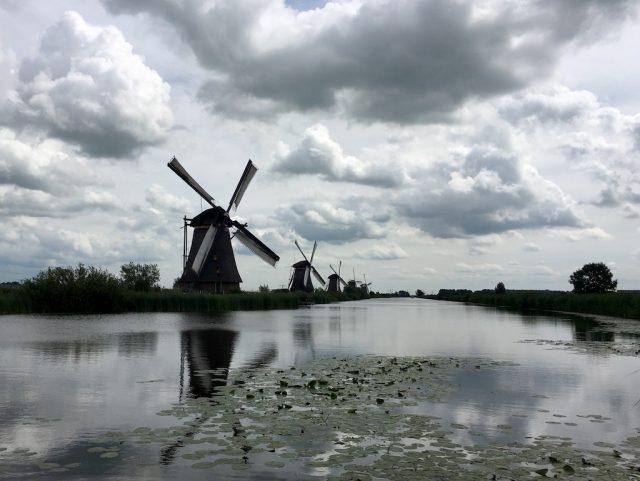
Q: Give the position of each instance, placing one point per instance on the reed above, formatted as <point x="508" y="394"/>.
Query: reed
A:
<point x="25" y="299"/>
<point x="14" y="300"/>
<point x="618" y="304"/>
<point x="177" y="301"/>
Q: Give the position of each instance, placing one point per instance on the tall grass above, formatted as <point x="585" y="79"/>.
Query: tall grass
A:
<point x="176" y="301"/>
<point x="15" y="300"/>
<point x="618" y="304"/>
<point x="72" y="299"/>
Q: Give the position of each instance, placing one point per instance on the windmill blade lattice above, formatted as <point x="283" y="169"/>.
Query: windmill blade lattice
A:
<point x="249" y="171"/>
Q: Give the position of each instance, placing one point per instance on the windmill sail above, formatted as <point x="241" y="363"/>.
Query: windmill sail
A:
<point x="317" y="275"/>
<point x="313" y="252"/>
<point x="184" y="175"/>
<point x="306" y="275"/>
<point x="298" y="246"/>
<point x="255" y="245"/>
<point x="203" y="250"/>
<point x="249" y="171"/>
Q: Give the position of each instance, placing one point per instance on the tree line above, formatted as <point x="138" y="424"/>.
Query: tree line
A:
<point x="87" y="288"/>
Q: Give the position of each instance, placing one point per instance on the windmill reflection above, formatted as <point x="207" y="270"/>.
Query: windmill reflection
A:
<point x="205" y="359"/>
<point x="205" y="350"/>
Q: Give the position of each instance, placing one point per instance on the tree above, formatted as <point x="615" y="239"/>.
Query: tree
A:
<point x="500" y="289"/>
<point x="419" y="293"/>
<point x="75" y="289"/>
<point x="140" y="277"/>
<point x="593" y="278"/>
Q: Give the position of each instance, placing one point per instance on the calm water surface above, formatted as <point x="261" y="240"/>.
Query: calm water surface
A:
<point x="66" y="380"/>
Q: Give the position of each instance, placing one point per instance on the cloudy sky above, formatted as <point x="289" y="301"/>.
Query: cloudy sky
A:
<point x="425" y="143"/>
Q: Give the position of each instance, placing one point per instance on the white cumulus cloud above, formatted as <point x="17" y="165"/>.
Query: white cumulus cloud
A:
<point x="86" y="86"/>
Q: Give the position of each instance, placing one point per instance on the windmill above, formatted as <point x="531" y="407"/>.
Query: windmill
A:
<point x="364" y="285"/>
<point x="210" y="264"/>
<point x="301" y="277"/>
<point x="335" y="280"/>
<point x="353" y="284"/>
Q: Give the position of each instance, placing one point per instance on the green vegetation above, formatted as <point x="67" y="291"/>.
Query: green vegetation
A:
<point x="85" y="289"/>
<point x="75" y="289"/>
<point x="140" y="277"/>
<point x="14" y="299"/>
<point x="171" y="300"/>
<point x="618" y="304"/>
<point x="593" y="278"/>
<point x="593" y="293"/>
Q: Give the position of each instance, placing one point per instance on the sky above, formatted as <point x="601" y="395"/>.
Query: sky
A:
<point x="426" y="144"/>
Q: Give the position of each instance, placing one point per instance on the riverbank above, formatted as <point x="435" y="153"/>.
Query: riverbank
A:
<point x="624" y="304"/>
<point x="20" y="300"/>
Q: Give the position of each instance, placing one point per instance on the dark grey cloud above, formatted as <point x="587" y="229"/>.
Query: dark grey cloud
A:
<point x="486" y="192"/>
<point x="85" y="86"/>
<point x="397" y="60"/>
<point x="318" y="154"/>
<point x="351" y="220"/>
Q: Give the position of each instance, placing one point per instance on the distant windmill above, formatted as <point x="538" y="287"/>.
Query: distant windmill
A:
<point x="210" y="264"/>
<point x="301" y="277"/>
<point x="364" y="285"/>
<point x="335" y="280"/>
<point x="353" y="284"/>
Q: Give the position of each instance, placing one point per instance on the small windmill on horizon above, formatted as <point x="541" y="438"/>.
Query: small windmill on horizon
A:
<point x="211" y="264"/>
<point x="335" y="280"/>
<point x="302" y="270"/>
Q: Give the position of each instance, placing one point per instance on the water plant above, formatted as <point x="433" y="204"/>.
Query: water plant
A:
<point x="363" y="417"/>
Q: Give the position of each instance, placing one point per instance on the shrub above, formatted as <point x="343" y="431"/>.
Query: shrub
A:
<point x="140" y="277"/>
<point x="79" y="289"/>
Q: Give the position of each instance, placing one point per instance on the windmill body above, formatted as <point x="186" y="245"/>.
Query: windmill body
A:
<point x="302" y="270"/>
<point x="335" y="280"/>
<point x="298" y="283"/>
<point x="211" y="265"/>
<point x="219" y="270"/>
<point x="334" y="283"/>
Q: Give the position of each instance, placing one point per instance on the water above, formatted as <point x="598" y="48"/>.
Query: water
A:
<point x="67" y="380"/>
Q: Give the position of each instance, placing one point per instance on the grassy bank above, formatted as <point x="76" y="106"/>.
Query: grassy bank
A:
<point x="617" y="304"/>
<point x="22" y="300"/>
<point x="176" y="301"/>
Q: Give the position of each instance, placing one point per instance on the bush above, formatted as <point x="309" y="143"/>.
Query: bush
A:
<point x="79" y="289"/>
<point x="140" y="277"/>
<point x="593" y="278"/>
